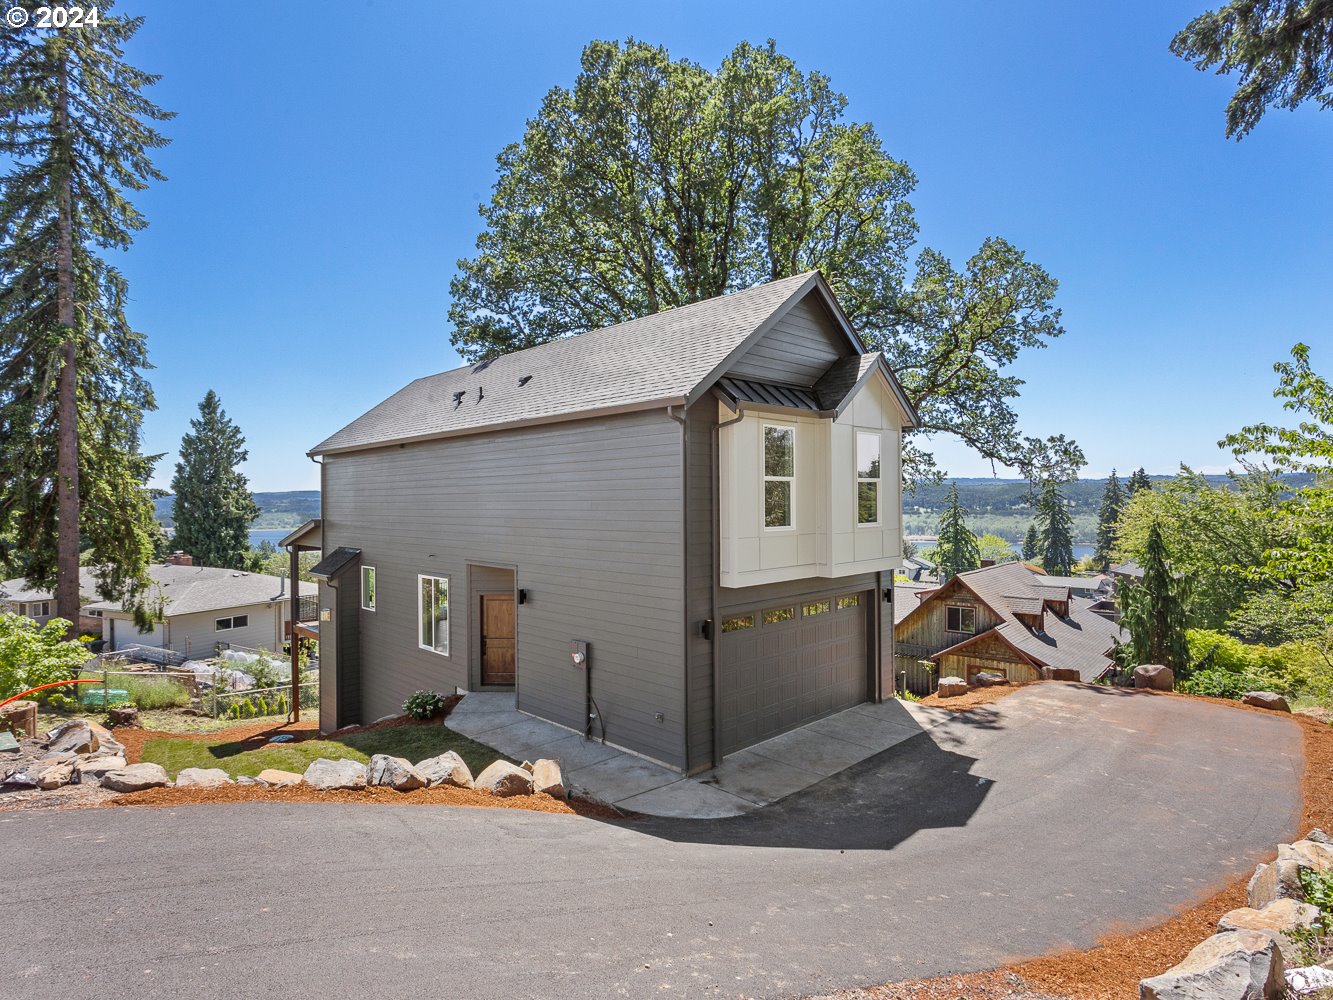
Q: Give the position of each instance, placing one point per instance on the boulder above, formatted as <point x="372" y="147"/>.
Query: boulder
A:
<point x="1154" y="677"/>
<point x="250" y="779"/>
<point x="951" y="687"/>
<point x="89" y="770"/>
<point x="394" y="772"/>
<point x="989" y="678"/>
<point x="527" y="766"/>
<point x="21" y="777"/>
<point x="75" y="736"/>
<point x="1278" y="920"/>
<point x="58" y="757"/>
<point x="1318" y="836"/>
<point x="504" y="779"/>
<point x="329" y="775"/>
<point x="125" y="715"/>
<point x="1307" y="854"/>
<point x="547" y="779"/>
<point x="135" y="778"/>
<point x="446" y="769"/>
<point x="1280" y="880"/>
<point x="1237" y="965"/>
<point x="1266" y="699"/>
<point x="20" y="718"/>
<point x="272" y="777"/>
<point x="202" y="777"/>
<point x="1060" y="674"/>
<point x="54" y="776"/>
<point x="106" y="743"/>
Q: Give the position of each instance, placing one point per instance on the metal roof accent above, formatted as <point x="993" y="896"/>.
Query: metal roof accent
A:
<point x="744" y="390"/>
<point x="335" y="563"/>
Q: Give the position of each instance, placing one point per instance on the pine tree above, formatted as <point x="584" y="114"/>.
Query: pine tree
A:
<point x="1138" y="481"/>
<point x="75" y="134"/>
<point x="1153" y="610"/>
<point x="1113" y="502"/>
<point x="213" y="507"/>
<point x="1031" y="545"/>
<point x="956" y="551"/>
<point x="1056" y="541"/>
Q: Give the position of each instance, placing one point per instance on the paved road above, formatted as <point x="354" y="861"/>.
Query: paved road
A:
<point x="1059" y="813"/>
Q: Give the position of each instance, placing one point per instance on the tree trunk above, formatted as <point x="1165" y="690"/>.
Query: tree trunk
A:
<point x="67" y="412"/>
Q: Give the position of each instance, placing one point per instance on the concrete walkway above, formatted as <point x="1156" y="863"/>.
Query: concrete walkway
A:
<point x="754" y="777"/>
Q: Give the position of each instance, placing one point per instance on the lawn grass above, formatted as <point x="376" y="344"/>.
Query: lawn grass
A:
<point x="413" y="742"/>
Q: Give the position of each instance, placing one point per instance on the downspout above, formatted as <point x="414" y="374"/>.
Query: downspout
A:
<point x="716" y="573"/>
<point x="295" y="566"/>
<point x="683" y="419"/>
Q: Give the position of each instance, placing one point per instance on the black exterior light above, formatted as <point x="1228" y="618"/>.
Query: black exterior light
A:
<point x="522" y="596"/>
<point x="888" y="595"/>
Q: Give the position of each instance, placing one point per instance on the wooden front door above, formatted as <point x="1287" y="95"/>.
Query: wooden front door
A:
<point x="498" y="653"/>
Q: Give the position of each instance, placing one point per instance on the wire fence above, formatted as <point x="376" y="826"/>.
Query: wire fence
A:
<point x="206" y="693"/>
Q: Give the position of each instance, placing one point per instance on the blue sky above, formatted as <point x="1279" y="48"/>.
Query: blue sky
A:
<point x="328" y="160"/>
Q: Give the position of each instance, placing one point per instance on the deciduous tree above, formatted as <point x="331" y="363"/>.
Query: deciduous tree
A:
<point x="213" y="506"/>
<point x="995" y="549"/>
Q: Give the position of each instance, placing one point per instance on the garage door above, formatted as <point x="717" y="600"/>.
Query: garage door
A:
<point x="789" y="663"/>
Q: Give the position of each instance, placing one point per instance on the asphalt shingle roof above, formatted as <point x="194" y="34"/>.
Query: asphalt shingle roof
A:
<point x="190" y="589"/>
<point x="18" y="589"/>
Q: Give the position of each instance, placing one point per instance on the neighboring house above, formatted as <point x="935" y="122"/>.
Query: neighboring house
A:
<point x="920" y="570"/>
<point x="1010" y="618"/>
<point x="1127" y="571"/>
<point x="676" y="533"/>
<point x="205" y="608"/>
<point x="39" y="603"/>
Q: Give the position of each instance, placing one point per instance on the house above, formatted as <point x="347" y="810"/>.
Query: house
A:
<point x="205" y="609"/>
<point x="920" y="570"/>
<point x="39" y="603"/>
<point x="676" y="534"/>
<point x="1009" y="618"/>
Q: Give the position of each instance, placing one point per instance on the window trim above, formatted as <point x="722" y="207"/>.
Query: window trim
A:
<point x="373" y="588"/>
<point x="960" y="607"/>
<point x="765" y="478"/>
<point x="878" y="522"/>
<point x="448" y="625"/>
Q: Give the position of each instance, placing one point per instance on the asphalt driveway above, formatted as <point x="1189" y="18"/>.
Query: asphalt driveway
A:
<point x="1044" y="821"/>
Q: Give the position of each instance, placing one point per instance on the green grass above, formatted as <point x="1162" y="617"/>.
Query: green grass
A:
<point x="413" y="742"/>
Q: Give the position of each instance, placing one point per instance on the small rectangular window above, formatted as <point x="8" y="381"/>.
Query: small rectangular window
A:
<point x="222" y="625"/>
<point x="367" y="588"/>
<point x="433" y="614"/>
<point x="776" y="616"/>
<point x="960" y="619"/>
<point x="779" y="475"/>
<point x="738" y="624"/>
<point x="867" y="478"/>
<point x="815" y="608"/>
<point x="849" y="601"/>
<point x="240" y="621"/>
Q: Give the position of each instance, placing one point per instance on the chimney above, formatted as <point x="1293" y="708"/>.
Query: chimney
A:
<point x="985" y="563"/>
<point x="179" y="558"/>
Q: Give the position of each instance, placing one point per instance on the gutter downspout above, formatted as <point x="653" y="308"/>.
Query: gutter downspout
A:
<point x="716" y="574"/>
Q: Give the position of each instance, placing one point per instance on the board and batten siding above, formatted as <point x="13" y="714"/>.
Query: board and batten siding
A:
<point x="991" y="653"/>
<point x="589" y="513"/>
<point x="798" y="349"/>
<point x="925" y="634"/>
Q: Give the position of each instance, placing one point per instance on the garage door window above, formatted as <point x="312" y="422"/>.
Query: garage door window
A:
<point x="815" y="608"/>
<point x="776" y="616"/>
<point x="779" y="474"/>
<point x="849" y="601"/>
<point x="738" y="623"/>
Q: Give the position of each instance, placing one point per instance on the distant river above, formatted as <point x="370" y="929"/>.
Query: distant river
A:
<point x="274" y="535"/>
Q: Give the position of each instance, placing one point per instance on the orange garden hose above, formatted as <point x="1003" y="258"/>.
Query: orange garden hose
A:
<point x="43" y="687"/>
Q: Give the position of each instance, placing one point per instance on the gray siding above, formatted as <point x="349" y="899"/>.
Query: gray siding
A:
<point x="701" y="576"/>
<point x="797" y="350"/>
<point x="590" y="514"/>
<point x="483" y="580"/>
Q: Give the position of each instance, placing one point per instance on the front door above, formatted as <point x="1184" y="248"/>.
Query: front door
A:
<point x="498" y="654"/>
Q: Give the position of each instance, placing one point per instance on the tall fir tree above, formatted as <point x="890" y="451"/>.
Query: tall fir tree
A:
<point x="1056" y="531"/>
<point x="75" y="133"/>
<point x="213" y="506"/>
<point x="1153" y="610"/>
<point x="1138" y="481"/>
<point x="957" y="549"/>
<point x="1032" y="545"/>
<point x="1113" y="502"/>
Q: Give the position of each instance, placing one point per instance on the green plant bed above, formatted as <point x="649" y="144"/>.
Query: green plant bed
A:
<point x="413" y="742"/>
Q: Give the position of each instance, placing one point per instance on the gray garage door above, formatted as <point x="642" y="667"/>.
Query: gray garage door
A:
<point x="789" y="663"/>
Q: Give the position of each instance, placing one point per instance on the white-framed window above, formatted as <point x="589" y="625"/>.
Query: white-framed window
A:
<point x="367" y="588"/>
<point x="959" y="618"/>
<point x="235" y="621"/>
<point x="42" y="609"/>
<point x="868" y="478"/>
<point x="779" y="475"/>
<point x="433" y="614"/>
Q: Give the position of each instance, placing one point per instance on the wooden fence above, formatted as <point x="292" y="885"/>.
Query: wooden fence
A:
<point x="921" y="677"/>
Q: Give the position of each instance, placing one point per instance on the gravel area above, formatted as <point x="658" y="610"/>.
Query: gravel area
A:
<point x="68" y="797"/>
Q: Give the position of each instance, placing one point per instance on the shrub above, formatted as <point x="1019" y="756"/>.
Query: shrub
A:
<point x="261" y="706"/>
<point x="424" y="704"/>
<point x="247" y="709"/>
<point x="280" y="706"/>
<point x="156" y="693"/>
<point x="1215" y="682"/>
<point x="1290" y="669"/>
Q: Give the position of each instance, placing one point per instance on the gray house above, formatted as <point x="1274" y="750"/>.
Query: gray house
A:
<point x="676" y="534"/>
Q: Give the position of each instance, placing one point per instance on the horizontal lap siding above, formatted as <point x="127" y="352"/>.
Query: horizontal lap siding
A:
<point x="590" y="514"/>
<point x="797" y="350"/>
<point x="197" y="636"/>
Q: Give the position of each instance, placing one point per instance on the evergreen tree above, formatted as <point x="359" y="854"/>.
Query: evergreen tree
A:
<point x="956" y="551"/>
<point x="213" y="508"/>
<point x="1056" y="540"/>
<point x="1113" y="502"/>
<point x="1154" y="611"/>
<point x="75" y="133"/>
<point x="1138" y="481"/>
<point x="1031" y="545"/>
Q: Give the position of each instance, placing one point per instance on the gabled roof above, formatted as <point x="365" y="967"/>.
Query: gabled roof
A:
<point x="18" y="589"/>
<point x="190" y="589"/>
<point x="670" y="358"/>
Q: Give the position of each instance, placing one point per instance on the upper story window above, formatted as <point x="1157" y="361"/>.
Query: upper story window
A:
<point x="779" y="475"/>
<point x="867" y="478"/>
<point x="367" y="588"/>
<point x="433" y="614"/>
<point x="960" y="619"/>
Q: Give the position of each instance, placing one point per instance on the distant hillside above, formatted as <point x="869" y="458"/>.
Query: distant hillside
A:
<point x="278" y="510"/>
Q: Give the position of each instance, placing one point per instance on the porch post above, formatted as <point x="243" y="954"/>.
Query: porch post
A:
<point x="294" y="578"/>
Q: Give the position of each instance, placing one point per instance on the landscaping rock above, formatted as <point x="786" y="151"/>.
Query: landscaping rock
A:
<point x="394" y="772"/>
<point x="527" y="766"/>
<point x="1318" y="836"/>
<point x="21" y="778"/>
<point x="1266" y="699"/>
<point x="75" y="736"/>
<point x="1278" y="920"/>
<point x="989" y="678"/>
<point x="1154" y="677"/>
<point x="135" y="778"/>
<point x="951" y="687"/>
<point x="272" y="777"/>
<point x="327" y="775"/>
<point x="504" y="779"/>
<point x="106" y="743"/>
<point x="250" y="779"/>
<point x="1237" y="965"/>
<point x="89" y="770"/>
<point x="202" y="777"/>
<point x="54" y="776"/>
<point x="125" y="715"/>
<point x="20" y="718"/>
<point x="58" y="757"/>
<point x="1060" y="674"/>
<point x="1280" y="880"/>
<point x="546" y="778"/>
<point x="446" y="769"/>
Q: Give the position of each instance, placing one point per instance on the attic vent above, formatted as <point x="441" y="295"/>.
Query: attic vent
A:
<point x="524" y="380"/>
<point x="458" y="398"/>
<point x="481" y="366"/>
<point x="481" y="394"/>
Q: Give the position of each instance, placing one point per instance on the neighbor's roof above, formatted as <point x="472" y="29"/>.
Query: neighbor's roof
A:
<point x="18" y="589"/>
<point x="1074" y="582"/>
<point x="190" y="589"/>
<point x="668" y="358"/>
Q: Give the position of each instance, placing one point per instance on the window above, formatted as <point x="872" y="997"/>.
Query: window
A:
<point x="235" y="621"/>
<point x="960" y="619"/>
<point x="867" y="478"/>
<point x="815" y="608"/>
<point x="776" y="616"/>
<point x="779" y="473"/>
<point x="738" y="624"/>
<point x="367" y="588"/>
<point x="849" y="601"/>
<point x="40" y="610"/>
<point x="433" y="614"/>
